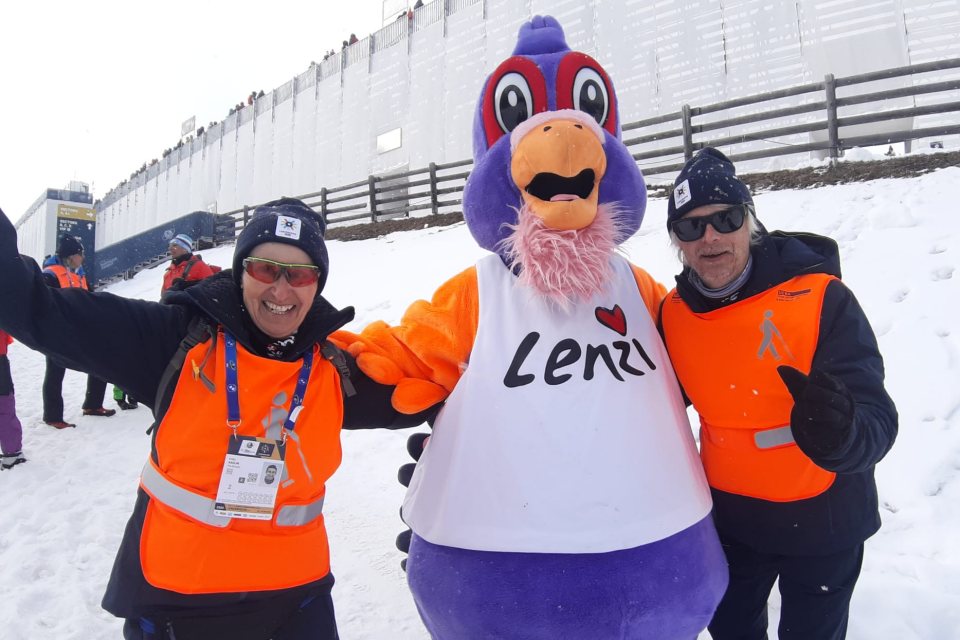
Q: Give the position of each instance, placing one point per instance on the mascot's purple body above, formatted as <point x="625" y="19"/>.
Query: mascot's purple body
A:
<point x="664" y="589"/>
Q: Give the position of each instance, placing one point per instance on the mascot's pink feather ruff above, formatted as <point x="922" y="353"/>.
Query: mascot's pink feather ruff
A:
<point x="561" y="495"/>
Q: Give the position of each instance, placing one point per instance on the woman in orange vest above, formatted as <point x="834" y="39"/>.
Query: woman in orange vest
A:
<point x="779" y="360"/>
<point x="249" y="398"/>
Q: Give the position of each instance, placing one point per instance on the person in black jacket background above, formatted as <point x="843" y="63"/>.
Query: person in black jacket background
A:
<point x="780" y="361"/>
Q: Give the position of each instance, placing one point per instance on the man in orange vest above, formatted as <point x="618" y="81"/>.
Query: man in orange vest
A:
<point x="65" y="271"/>
<point x="780" y="361"/>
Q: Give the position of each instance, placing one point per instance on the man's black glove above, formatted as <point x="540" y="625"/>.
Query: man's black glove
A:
<point x="822" y="414"/>
<point x="415" y="445"/>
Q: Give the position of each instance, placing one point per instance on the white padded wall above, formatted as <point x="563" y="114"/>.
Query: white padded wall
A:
<point x="423" y="77"/>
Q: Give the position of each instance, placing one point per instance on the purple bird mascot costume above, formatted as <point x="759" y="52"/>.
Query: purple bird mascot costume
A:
<point x="560" y="495"/>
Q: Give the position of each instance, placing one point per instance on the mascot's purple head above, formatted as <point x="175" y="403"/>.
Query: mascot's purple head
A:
<point x="546" y="141"/>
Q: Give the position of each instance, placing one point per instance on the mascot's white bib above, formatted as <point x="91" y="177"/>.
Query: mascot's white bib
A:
<point x="566" y="434"/>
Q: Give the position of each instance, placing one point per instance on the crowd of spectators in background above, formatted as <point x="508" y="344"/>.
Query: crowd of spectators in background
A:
<point x="251" y="99"/>
<point x="409" y="12"/>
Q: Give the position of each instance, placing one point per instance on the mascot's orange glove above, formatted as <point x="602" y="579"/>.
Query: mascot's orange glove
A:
<point x="424" y="356"/>
<point x="385" y="360"/>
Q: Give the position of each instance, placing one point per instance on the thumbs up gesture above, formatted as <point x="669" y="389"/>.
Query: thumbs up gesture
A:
<point x="823" y="408"/>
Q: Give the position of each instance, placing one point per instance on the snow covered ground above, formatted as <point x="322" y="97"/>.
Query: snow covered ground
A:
<point x="62" y="513"/>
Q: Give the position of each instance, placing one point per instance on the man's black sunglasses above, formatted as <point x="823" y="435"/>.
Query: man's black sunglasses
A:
<point x="724" y="221"/>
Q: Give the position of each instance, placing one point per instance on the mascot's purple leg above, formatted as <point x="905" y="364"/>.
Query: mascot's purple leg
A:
<point x="666" y="590"/>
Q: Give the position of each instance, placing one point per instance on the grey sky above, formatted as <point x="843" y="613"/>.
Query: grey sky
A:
<point x="91" y="90"/>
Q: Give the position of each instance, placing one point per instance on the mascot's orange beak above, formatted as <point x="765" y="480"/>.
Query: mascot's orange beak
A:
<point x="558" y="165"/>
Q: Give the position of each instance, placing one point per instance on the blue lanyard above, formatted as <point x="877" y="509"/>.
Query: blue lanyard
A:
<point x="233" y="396"/>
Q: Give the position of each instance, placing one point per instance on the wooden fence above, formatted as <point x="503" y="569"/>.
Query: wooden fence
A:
<point x="662" y="144"/>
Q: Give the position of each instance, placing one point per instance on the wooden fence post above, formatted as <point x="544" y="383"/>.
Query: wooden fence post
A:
<point x="323" y="204"/>
<point x="687" y="132"/>
<point x="372" y="186"/>
<point x="434" y="200"/>
<point x="246" y="215"/>
<point x="833" y="130"/>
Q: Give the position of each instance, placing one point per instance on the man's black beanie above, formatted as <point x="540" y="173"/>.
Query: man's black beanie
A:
<point x="708" y="178"/>
<point x="68" y="246"/>
<point x="288" y="221"/>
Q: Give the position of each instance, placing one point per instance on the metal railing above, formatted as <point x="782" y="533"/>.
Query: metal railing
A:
<point x="689" y="128"/>
<point x="665" y="142"/>
<point x="437" y="188"/>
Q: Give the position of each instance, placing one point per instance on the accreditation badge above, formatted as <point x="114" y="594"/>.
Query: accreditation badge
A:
<point x="250" y="478"/>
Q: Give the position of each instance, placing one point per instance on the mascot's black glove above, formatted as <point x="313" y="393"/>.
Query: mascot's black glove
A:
<point x="823" y="408"/>
<point x="415" y="445"/>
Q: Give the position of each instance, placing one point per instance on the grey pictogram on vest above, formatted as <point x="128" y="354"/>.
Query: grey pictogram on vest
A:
<point x="771" y="339"/>
<point x="273" y="429"/>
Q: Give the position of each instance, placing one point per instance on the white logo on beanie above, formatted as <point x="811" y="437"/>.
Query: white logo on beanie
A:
<point x="681" y="194"/>
<point x="288" y="227"/>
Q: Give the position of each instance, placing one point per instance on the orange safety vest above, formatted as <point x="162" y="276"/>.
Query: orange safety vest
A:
<point x="184" y="547"/>
<point x="726" y="361"/>
<point x="67" y="279"/>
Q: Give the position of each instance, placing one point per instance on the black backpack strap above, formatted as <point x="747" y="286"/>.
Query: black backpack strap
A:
<point x="663" y="337"/>
<point x="198" y="331"/>
<point x="337" y="359"/>
<point x="659" y="319"/>
<point x="186" y="271"/>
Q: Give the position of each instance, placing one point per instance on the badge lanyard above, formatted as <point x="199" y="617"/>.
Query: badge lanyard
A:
<point x="233" y="396"/>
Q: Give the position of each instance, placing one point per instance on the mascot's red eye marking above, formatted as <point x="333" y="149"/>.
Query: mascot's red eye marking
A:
<point x="582" y="84"/>
<point x="612" y="319"/>
<point x="515" y="91"/>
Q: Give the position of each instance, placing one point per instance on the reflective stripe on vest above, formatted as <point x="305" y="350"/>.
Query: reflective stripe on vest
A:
<point x="773" y="437"/>
<point x="727" y="362"/>
<point x="184" y="547"/>
<point x="201" y="508"/>
<point x="296" y="515"/>
<point x="183" y="500"/>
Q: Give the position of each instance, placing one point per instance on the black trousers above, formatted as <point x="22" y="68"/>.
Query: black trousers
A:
<point x="815" y="594"/>
<point x="6" y="378"/>
<point x="313" y="619"/>
<point x="53" y="392"/>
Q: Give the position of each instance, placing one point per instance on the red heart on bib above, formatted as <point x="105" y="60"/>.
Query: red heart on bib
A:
<point x="612" y="319"/>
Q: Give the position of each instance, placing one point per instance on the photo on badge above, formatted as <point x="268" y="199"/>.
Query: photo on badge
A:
<point x="269" y="474"/>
